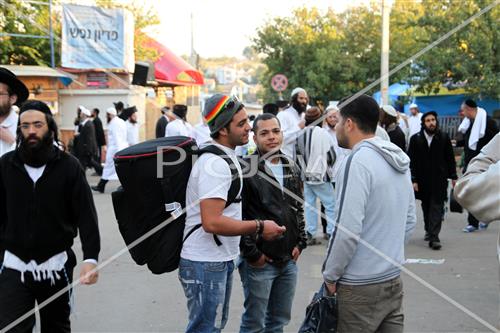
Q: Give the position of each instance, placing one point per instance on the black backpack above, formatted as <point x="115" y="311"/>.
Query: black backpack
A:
<point x="151" y="195"/>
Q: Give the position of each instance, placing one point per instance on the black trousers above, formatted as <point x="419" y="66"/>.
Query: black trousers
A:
<point x="89" y="161"/>
<point x="433" y="210"/>
<point x="323" y="219"/>
<point x="18" y="298"/>
<point x="99" y="154"/>
<point x="472" y="220"/>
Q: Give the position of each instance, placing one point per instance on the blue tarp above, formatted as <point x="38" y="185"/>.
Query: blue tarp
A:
<point x="449" y="105"/>
<point x="444" y="105"/>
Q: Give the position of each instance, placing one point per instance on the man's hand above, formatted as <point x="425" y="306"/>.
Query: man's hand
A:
<point x="6" y="136"/>
<point x="331" y="288"/>
<point x="272" y="231"/>
<point x="295" y="254"/>
<point x="302" y="124"/>
<point x="260" y="262"/>
<point x="86" y="275"/>
<point x="415" y="187"/>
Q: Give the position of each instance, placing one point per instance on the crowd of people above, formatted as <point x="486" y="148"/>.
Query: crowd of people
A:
<point x="356" y="158"/>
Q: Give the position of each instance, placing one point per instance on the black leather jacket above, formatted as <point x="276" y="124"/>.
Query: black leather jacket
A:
<point x="263" y="199"/>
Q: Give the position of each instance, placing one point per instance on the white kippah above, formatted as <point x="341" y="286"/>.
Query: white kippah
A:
<point x="111" y="111"/>
<point x="298" y="90"/>
<point x="390" y="110"/>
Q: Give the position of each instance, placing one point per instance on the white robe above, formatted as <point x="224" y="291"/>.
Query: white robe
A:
<point x="289" y="120"/>
<point x="179" y="127"/>
<point x="132" y="133"/>
<point x="117" y="140"/>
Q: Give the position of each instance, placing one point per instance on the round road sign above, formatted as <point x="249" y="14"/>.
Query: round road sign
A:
<point x="279" y="82"/>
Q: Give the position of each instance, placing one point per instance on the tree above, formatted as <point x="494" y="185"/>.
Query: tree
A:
<point x="335" y="55"/>
<point x="22" y="17"/>
<point x="470" y="58"/>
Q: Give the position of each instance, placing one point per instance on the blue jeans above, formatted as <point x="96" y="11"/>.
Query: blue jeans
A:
<point x="326" y="195"/>
<point x="207" y="286"/>
<point x="269" y="292"/>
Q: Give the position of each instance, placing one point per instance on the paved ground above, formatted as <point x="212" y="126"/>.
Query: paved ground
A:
<point x="128" y="298"/>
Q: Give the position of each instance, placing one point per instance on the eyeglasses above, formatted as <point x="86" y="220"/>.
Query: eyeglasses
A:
<point x="36" y="124"/>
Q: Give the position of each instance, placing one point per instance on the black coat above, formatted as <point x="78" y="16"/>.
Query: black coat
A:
<point x="397" y="137"/>
<point x="38" y="221"/>
<point x="86" y="144"/>
<point x="161" y="125"/>
<point x="490" y="132"/>
<point x="99" y="132"/>
<point x="263" y="199"/>
<point x="431" y="167"/>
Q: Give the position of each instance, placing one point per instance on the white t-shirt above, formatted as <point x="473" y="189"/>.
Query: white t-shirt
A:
<point x="9" y="123"/>
<point x="179" y="127"/>
<point x="201" y="133"/>
<point x="210" y="178"/>
<point x="277" y="170"/>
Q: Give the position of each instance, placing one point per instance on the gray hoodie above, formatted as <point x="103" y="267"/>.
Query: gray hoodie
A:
<point x="374" y="214"/>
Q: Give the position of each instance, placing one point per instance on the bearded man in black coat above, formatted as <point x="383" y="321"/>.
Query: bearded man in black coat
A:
<point x="432" y="164"/>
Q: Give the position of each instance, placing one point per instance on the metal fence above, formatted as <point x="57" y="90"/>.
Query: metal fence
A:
<point x="449" y="124"/>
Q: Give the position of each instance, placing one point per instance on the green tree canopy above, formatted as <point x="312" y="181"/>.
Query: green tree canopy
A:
<point x="333" y="55"/>
<point x="21" y="17"/>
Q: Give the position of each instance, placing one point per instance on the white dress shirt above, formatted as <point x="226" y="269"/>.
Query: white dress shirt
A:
<point x="289" y="121"/>
<point x="179" y="127"/>
<point x="414" y="123"/>
<point x="9" y="123"/>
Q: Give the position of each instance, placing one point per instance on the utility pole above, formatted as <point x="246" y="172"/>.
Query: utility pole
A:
<point x="192" y="58"/>
<point x="51" y="36"/>
<point x="384" y="57"/>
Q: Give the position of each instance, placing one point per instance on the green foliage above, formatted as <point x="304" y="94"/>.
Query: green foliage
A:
<point x="471" y="56"/>
<point x="20" y="17"/>
<point x="334" y="55"/>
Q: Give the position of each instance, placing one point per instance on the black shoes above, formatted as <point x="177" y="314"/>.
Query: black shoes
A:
<point x="435" y="245"/>
<point x="311" y="240"/>
<point x="100" y="187"/>
<point x="426" y="237"/>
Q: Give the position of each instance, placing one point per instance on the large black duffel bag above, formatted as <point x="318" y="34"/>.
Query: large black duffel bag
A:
<point x="149" y="204"/>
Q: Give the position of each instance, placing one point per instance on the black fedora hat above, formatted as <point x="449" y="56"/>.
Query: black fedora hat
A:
<point x="18" y="88"/>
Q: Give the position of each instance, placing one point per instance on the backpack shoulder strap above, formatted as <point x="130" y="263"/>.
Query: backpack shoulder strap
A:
<point x="234" y="189"/>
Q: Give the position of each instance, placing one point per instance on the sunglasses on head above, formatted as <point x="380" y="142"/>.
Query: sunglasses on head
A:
<point x="232" y="102"/>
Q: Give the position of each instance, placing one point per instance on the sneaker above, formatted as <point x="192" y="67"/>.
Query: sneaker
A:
<point x="483" y="226"/>
<point x="469" y="228"/>
<point x="326" y="236"/>
<point x="311" y="240"/>
<point x="435" y="245"/>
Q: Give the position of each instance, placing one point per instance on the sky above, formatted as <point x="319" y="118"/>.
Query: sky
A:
<point x="223" y="27"/>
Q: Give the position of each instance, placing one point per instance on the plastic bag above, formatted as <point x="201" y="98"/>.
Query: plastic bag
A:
<point x="321" y="313"/>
